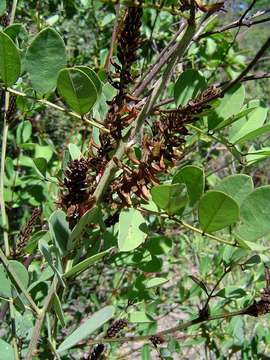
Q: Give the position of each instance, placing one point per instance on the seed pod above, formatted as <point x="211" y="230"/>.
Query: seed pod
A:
<point x="97" y="352"/>
<point x="11" y="108"/>
<point x="156" y="340"/>
<point x="116" y="327"/>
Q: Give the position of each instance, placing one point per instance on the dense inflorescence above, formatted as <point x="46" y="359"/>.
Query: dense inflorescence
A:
<point x="160" y="151"/>
<point x="128" y="43"/>
<point x="25" y="233"/>
<point x="76" y="189"/>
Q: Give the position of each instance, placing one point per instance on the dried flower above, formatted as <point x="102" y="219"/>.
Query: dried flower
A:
<point x="156" y="340"/>
<point x="77" y="188"/>
<point x="116" y="327"/>
<point x="25" y="233"/>
<point x="11" y="108"/>
<point x="97" y="352"/>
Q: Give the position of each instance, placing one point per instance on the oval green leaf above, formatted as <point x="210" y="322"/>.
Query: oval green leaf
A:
<point x="237" y="186"/>
<point x="229" y="105"/>
<point x="93" y="76"/>
<point x="251" y="125"/>
<point x="45" y="57"/>
<point x="217" y="211"/>
<point x="193" y="178"/>
<point x="87" y="328"/>
<point x="189" y="84"/>
<point x="170" y="197"/>
<point x="6" y="351"/>
<point x="59" y="230"/>
<point x="10" y="62"/>
<point x="255" y="215"/>
<point x="77" y="89"/>
<point x="131" y="230"/>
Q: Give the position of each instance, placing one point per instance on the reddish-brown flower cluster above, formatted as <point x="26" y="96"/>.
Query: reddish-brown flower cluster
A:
<point x="121" y="111"/>
<point x="77" y="187"/>
<point x="160" y="151"/>
<point x="25" y="234"/>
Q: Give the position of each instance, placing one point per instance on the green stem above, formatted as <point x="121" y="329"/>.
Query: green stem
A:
<point x="2" y="180"/>
<point x="199" y="231"/>
<point x="40" y="320"/>
<point x="60" y="108"/>
<point x="180" y="327"/>
<point x="13" y="11"/>
<point x="188" y="226"/>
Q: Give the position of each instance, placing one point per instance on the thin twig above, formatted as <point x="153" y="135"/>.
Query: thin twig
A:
<point x="180" y="327"/>
<point x="39" y="323"/>
<point x="57" y="107"/>
<point x="113" y="38"/>
<point x="248" y="23"/>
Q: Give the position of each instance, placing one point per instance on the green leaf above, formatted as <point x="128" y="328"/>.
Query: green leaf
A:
<point x="91" y="216"/>
<point x="46" y="251"/>
<point x="250" y="245"/>
<point x="74" y="151"/>
<point x="155" y="282"/>
<point x="58" y="309"/>
<point x="189" y="84"/>
<point x="237" y="186"/>
<point x="6" y="351"/>
<point x="77" y="89"/>
<point x="229" y="105"/>
<point x="170" y="197"/>
<point x="253" y="134"/>
<point x="257" y="155"/>
<point x="131" y="226"/>
<point x="10" y="62"/>
<point x="231" y="292"/>
<point x="59" y="230"/>
<point x="217" y="211"/>
<point x="232" y="119"/>
<point x="5" y="289"/>
<point x="247" y="127"/>
<point x="87" y="328"/>
<point x="45" y="57"/>
<point x="193" y="178"/>
<point x="85" y="264"/>
<point x="93" y="76"/>
<point x="140" y="317"/>
<point x="255" y="215"/>
<point x="6" y="280"/>
<point x="43" y="151"/>
<point x="23" y="132"/>
<point x="16" y="30"/>
<point x="3" y="6"/>
<point x="40" y="165"/>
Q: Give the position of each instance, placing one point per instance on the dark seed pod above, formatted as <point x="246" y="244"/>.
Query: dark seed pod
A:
<point x="4" y="19"/>
<point x="116" y="327"/>
<point x="156" y="340"/>
<point x="11" y="108"/>
<point x="76" y="189"/>
<point x="97" y="352"/>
